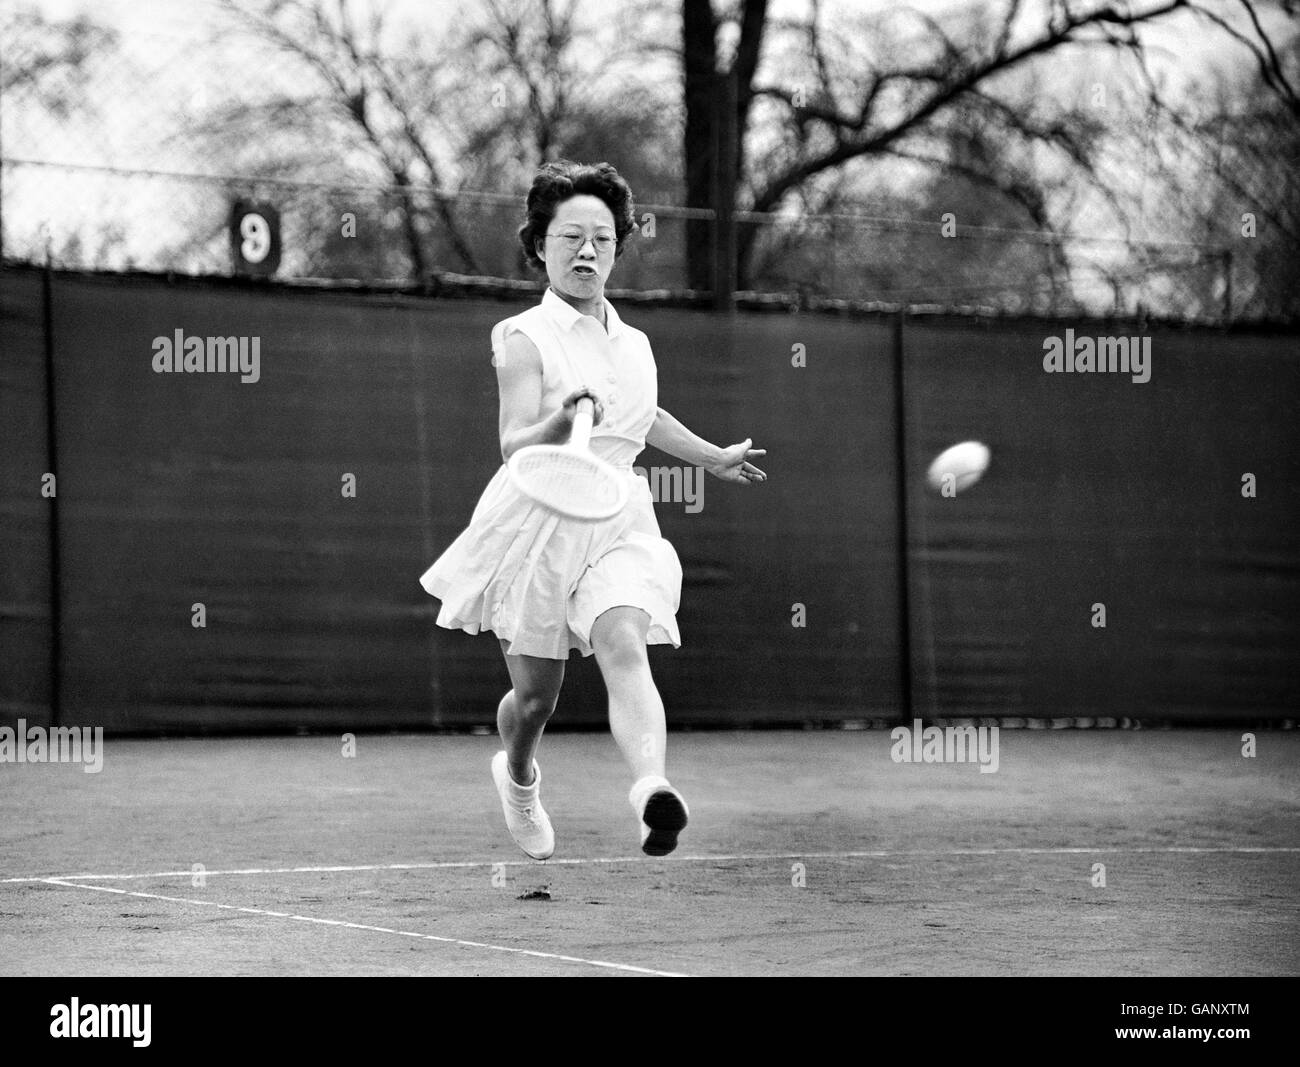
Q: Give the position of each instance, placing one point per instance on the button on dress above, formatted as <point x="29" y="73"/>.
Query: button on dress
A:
<point x="535" y="579"/>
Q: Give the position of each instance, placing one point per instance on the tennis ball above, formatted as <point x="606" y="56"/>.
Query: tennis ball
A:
<point x="958" y="467"/>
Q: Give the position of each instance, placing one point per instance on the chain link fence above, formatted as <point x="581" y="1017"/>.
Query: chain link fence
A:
<point x="101" y="218"/>
<point x="124" y="153"/>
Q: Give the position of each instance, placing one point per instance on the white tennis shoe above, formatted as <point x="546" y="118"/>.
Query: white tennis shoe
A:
<point x="662" y="811"/>
<point x="526" y="819"/>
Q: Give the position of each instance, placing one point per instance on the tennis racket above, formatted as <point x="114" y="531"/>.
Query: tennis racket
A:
<point x="570" y="479"/>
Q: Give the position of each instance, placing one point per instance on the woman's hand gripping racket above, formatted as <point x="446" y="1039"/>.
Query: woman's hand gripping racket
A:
<point x="570" y="479"/>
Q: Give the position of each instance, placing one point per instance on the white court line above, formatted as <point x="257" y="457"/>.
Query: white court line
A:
<point x="364" y="926"/>
<point x="607" y="860"/>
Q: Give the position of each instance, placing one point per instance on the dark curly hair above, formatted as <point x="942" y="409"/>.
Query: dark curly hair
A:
<point x="560" y="181"/>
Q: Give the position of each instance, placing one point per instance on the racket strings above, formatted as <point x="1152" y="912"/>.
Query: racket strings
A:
<point x="568" y="481"/>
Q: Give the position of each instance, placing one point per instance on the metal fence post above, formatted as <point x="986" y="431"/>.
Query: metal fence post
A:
<point x="52" y="455"/>
<point x="901" y="468"/>
<point x="724" y="200"/>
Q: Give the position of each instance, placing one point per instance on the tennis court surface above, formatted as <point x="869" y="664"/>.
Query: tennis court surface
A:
<point x="808" y="853"/>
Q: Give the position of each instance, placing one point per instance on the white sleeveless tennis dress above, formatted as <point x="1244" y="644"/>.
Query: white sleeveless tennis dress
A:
<point x="535" y="579"/>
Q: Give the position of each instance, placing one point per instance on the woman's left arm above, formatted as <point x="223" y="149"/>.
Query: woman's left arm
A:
<point x="731" y="464"/>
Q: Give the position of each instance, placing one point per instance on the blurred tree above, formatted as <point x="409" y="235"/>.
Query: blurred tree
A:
<point x="42" y="77"/>
<point x="922" y="241"/>
<point x="1231" y="161"/>
<point x="44" y="58"/>
<point x="895" y="85"/>
<point x="387" y="109"/>
<point x="785" y="110"/>
<point x="476" y="103"/>
<point x="565" y="91"/>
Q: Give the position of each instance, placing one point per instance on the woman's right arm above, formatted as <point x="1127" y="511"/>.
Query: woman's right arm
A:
<point x="519" y="380"/>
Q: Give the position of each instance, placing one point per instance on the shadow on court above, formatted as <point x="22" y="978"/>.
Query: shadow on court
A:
<point x="807" y="853"/>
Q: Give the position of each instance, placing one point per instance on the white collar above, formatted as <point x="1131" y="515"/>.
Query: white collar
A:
<point x="568" y="315"/>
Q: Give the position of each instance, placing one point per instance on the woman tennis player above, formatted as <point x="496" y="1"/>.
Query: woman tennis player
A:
<point x="544" y="584"/>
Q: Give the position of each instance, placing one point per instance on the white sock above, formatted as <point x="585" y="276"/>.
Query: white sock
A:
<point x="643" y="788"/>
<point x="524" y="792"/>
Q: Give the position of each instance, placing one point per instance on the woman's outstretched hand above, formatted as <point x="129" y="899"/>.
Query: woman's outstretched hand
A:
<point x="734" y="464"/>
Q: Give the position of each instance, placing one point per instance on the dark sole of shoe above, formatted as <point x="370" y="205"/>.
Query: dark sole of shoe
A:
<point x="666" y="817"/>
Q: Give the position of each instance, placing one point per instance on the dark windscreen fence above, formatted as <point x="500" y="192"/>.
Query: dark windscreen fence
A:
<point x="214" y="575"/>
<point x="1107" y="501"/>
<point x="240" y="549"/>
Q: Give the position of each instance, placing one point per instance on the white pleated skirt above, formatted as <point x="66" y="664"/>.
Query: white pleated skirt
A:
<point x="540" y="581"/>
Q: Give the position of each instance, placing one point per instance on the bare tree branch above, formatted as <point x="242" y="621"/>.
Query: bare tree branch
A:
<point x="356" y="79"/>
<point x="1066" y="28"/>
<point x="1266" y="58"/>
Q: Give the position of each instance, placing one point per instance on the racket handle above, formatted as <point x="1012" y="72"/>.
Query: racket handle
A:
<point x="582" y="417"/>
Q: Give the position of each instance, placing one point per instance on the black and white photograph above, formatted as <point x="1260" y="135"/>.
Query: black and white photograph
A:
<point x="665" y="488"/>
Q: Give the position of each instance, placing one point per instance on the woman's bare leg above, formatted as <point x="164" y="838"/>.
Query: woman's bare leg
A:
<point x="636" y="718"/>
<point x="636" y="710"/>
<point x="524" y="711"/>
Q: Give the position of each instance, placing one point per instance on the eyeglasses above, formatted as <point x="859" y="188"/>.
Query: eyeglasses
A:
<point x="575" y="239"/>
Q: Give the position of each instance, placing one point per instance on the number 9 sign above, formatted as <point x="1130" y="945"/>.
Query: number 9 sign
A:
<point x="254" y="237"/>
